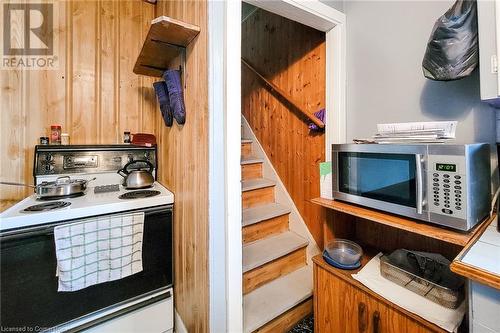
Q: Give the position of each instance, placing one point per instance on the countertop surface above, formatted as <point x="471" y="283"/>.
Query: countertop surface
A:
<point x="480" y="260"/>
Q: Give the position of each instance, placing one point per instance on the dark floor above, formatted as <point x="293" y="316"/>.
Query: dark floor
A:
<point x="306" y="325"/>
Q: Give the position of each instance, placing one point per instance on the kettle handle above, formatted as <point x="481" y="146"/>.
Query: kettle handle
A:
<point x="124" y="171"/>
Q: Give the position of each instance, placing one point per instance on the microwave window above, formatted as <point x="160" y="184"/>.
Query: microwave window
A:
<point x="384" y="177"/>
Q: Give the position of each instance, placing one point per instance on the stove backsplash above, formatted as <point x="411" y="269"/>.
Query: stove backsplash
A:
<point x="84" y="159"/>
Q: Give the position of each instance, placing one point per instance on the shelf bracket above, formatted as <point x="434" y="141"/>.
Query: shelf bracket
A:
<point x="182" y="54"/>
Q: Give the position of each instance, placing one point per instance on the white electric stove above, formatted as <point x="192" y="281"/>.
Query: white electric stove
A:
<point x="137" y="303"/>
<point x="90" y="204"/>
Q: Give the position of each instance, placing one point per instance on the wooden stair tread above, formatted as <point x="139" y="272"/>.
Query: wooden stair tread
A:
<point x="274" y="298"/>
<point x="260" y="252"/>
<point x="254" y="184"/>
<point x="251" y="160"/>
<point x="260" y="213"/>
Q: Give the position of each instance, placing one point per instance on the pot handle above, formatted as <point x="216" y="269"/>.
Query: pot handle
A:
<point x="17" y="184"/>
<point x="63" y="179"/>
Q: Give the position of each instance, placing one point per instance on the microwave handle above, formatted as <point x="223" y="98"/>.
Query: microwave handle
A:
<point x="420" y="183"/>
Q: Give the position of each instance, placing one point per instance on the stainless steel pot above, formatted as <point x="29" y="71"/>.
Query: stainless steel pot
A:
<point x="61" y="187"/>
<point x="138" y="177"/>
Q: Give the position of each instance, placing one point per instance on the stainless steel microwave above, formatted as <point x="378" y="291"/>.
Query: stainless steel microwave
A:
<point x="444" y="184"/>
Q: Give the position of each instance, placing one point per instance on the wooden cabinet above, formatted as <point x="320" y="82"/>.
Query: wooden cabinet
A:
<point x="341" y="304"/>
<point x="344" y="305"/>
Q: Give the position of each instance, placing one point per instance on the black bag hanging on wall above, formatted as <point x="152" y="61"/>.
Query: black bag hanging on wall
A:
<point x="452" y="50"/>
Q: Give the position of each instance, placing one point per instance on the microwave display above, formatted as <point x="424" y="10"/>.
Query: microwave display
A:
<point x="446" y="167"/>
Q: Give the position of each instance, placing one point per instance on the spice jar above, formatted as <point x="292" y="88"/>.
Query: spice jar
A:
<point x="55" y="134"/>
<point x="65" y="139"/>
<point x="127" y="138"/>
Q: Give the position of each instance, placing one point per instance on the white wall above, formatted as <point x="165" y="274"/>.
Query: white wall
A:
<point x="385" y="45"/>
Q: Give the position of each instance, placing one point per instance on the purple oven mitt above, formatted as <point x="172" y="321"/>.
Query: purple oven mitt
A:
<point x="321" y="116"/>
<point x="162" y="96"/>
<point x="176" y="94"/>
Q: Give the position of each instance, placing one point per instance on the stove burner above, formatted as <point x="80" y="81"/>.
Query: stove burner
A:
<point x="57" y="197"/>
<point x="139" y="194"/>
<point x="47" y="206"/>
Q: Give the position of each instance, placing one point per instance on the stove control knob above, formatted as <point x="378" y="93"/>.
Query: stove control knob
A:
<point x="130" y="158"/>
<point x="49" y="157"/>
<point x="146" y="155"/>
<point x="49" y="167"/>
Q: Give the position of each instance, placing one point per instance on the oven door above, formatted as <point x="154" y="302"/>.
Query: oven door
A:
<point x="392" y="179"/>
<point x="29" y="296"/>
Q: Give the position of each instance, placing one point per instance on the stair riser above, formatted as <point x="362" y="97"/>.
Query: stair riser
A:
<point x="273" y="270"/>
<point x="289" y="319"/>
<point x="257" y="197"/>
<point x="251" y="171"/>
<point x="265" y="228"/>
<point x="246" y="149"/>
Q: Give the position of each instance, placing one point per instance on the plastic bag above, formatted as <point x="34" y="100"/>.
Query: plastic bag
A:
<point x="452" y="50"/>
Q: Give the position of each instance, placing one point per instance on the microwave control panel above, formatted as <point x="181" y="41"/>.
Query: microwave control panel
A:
<point x="446" y="184"/>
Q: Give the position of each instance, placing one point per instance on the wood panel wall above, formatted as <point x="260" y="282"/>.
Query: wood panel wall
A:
<point x="93" y="95"/>
<point x="292" y="56"/>
<point x="184" y="170"/>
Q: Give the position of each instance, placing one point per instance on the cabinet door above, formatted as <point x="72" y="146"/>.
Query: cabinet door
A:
<point x="342" y="308"/>
<point x="339" y="307"/>
<point x="384" y="319"/>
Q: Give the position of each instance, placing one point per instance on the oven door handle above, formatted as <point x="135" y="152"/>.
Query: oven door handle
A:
<point x="419" y="183"/>
<point x="18" y="235"/>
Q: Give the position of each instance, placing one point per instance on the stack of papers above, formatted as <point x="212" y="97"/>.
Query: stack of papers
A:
<point x="417" y="132"/>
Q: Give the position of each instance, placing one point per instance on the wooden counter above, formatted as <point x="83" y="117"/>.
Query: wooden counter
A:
<point x="480" y="258"/>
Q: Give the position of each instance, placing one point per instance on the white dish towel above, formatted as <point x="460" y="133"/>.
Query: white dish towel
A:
<point x="445" y="318"/>
<point x="98" y="250"/>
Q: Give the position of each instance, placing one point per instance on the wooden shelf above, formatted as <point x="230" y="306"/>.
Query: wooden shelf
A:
<point x="346" y="275"/>
<point x="413" y="226"/>
<point x="167" y="39"/>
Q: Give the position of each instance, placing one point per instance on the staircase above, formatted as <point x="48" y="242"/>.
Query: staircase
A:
<point x="277" y="281"/>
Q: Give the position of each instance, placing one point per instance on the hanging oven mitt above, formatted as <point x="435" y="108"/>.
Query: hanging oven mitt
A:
<point x="453" y="48"/>
<point x="321" y="116"/>
<point x="176" y="95"/>
<point x="162" y="96"/>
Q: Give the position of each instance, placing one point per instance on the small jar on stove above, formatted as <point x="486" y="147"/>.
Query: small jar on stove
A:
<point x="65" y="139"/>
<point x="55" y="134"/>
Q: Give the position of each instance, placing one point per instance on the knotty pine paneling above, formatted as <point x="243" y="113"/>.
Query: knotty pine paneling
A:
<point x="184" y="170"/>
<point x="93" y="94"/>
<point x="292" y="56"/>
